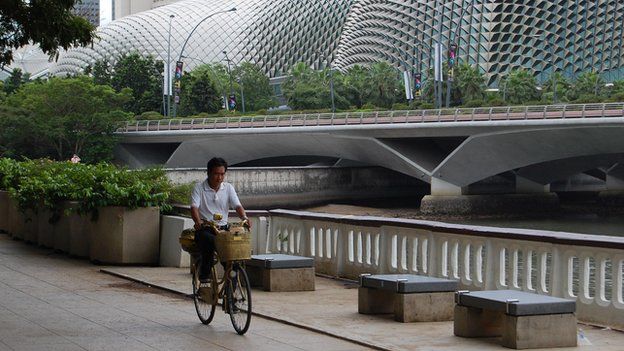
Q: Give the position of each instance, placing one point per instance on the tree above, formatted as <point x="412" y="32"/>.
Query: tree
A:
<point x="16" y="136"/>
<point x="143" y="75"/>
<point x="14" y="81"/>
<point x="306" y="88"/>
<point x="469" y="84"/>
<point x="384" y="81"/>
<point x="588" y="87"/>
<point x="199" y="91"/>
<point x="255" y="84"/>
<point x="72" y="115"/>
<point x="49" y="23"/>
<point x="356" y="84"/>
<point x="562" y="86"/>
<point x="520" y="87"/>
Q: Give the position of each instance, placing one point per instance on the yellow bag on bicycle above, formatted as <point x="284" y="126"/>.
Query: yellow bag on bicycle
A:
<point x="234" y="245"/>
<point x="187" y="241"/>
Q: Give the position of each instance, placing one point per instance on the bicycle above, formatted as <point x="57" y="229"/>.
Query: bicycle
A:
<point x="233" y="288"/>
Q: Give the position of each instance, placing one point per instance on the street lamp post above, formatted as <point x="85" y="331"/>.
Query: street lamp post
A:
<point x="240" y="82"/>
<point x="167" y="110"/>
<point x="193" y="31"/>
<point x="331" y="82"/>
<point x="229" y="73"/>
<point x="449" y="78"/>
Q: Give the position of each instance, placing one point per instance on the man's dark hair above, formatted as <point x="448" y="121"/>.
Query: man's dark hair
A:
<point x="216" y="162"/>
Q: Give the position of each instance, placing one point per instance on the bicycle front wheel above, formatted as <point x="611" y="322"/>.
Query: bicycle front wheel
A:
<point x="205" y="295"/>
<point x="239" y="299"/>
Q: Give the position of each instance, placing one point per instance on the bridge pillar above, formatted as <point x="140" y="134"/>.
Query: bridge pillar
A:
<point x="527" y="186"/>
<point x="612" y="199"/>
<point x="450" y="199"/>
<point x="443" y="188"/>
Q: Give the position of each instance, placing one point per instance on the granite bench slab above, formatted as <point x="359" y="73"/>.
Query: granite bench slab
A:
<point x="279" y="272"/>
<point x="277" y="261"/>
<point x="407" y="283"/>
<point x="515" y="303"/>
<point x="412" y="298"/>
<point x="522" y="319"/>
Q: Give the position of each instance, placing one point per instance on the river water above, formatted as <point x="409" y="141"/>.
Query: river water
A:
<point x="579" y="223"/>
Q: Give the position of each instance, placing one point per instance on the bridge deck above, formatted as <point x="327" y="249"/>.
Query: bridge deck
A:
<point x="332" y="309"/>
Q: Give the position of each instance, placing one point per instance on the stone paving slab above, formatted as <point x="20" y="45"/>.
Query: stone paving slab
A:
<point x="49" y="301"/>
<point x="332" y="309"/>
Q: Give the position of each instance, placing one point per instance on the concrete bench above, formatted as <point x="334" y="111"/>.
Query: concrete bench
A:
<point x="524" y="320"/>
<point x="412" y="298"/>
<point x="278" y="272"/>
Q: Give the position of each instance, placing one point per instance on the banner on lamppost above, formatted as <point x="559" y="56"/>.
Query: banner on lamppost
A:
<point x="407" y="84"/>
<point x="417" y="84"/>
<point x="178" y="71"/>
<point x="437" y="64"/>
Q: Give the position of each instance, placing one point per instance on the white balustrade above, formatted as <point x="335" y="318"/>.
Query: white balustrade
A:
<point x="550" y="263"/>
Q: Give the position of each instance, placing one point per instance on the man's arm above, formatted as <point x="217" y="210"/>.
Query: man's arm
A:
<point x="240" y="211"/>
<point x="196" y="218"/>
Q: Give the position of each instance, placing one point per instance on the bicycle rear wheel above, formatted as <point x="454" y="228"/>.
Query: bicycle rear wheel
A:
<point x="205" y="295"/>
<point x="239" y="299"/>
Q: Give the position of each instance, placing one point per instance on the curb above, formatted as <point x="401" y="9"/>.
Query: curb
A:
<point x="265" y="316"/>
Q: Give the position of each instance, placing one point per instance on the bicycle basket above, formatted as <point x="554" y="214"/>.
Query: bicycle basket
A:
<point x="187" y="241"/>
<point x="234" y="244"/>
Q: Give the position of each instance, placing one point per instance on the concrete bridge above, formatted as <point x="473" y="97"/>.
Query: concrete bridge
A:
<point x="451" y="149"/>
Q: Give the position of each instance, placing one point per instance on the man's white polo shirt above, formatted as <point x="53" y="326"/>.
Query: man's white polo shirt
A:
<point x="210" y="202"/>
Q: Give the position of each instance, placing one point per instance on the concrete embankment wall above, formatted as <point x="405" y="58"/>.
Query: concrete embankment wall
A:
<point x="305" y="186"/>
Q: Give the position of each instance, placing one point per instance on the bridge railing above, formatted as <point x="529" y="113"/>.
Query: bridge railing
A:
<point x="501" y="113"/>
<point x="586" y="268"/>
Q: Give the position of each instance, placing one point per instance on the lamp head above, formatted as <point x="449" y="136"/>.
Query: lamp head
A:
<point x="232" y="9"/>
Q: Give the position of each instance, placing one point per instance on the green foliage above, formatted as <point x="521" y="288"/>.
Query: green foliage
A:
<point x="469" y="84"/>
<point x="202" y="90"/>
<point x="49" y="23"/>
<point x="558" y="81"/>
<point x="17" y="138"/>
<point x="144" y="76"/>
<point x="400" y="106"/>
<point x="586" y="85"/>
<point x="181" y="193"/>
<point x="384" y="83"/>
<point x="306" y="88"/>
<point x="15" y="80"/>
<point x="255" y="86"/>
<point x="71" y="115"/>
<point x="149" y="115"/>
<point x="47" y="183"/>
<point x="520" y="87"/>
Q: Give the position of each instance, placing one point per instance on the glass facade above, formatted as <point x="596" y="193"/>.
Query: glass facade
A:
<point x="574" y="36"/>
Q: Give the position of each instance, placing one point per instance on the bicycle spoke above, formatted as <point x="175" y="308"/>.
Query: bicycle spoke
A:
<point x="205" y="296"/>
<point x="239" y="299"/>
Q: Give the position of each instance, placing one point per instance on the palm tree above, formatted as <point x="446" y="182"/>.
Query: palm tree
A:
<point x="383" y="81"/>
<point x="520" y="87"/>
<point x="470" y="83"/>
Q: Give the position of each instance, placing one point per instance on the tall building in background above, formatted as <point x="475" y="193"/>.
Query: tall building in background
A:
<point x="123" y="8"/>
<point x="89" y="9"/>
<point x="540" y="36"/>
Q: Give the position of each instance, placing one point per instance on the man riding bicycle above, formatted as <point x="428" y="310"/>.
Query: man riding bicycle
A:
<point x="213" y="197"/>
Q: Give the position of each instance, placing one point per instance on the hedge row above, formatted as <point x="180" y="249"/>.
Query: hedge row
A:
<point x="45" y="183"/>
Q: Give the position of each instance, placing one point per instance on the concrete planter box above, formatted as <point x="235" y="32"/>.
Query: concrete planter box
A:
<point x="15" y="220"/>
<point x="124" y="236"/>
<point x="171" y="254"/>
<point x="45" y="229"/>
<point x="28" y="228"/>
<point x="71" y="232"/>
<point x="4" y="211"/>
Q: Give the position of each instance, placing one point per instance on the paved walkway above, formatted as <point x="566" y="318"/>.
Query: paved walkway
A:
<point x="51" y="302"/>
<point x="332" y="309"/>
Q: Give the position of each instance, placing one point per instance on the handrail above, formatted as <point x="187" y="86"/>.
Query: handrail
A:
<point x="585" y="268"/>
<point x="503" y="113"/>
